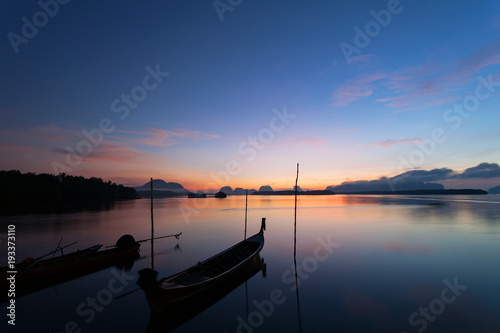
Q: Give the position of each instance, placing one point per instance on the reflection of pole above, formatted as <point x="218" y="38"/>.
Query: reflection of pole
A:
<point x="295" y="223"/>
<point x="246" y="208"/>
<point x="295" y="253"/>
<point x="246" y="296"/>
<point x="152" y="229"/>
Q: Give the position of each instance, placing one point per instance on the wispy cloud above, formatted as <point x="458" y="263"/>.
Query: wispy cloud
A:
<point x="108" y="151"/>
<point x="39" y="135"/>
<point x="362" y="58"/>
<point x="164" y="138"/>
<point x="347" y="130"/>
<point x="14" y="148"/>
<point x="309" y="141"/>
<point x="419" y="87"/>
<point x="356" y="89"/>
<point x="468" y="66"/>
<point x="117" y="153"/>
<point x="331" y="67"/>
<point x="393" y="142"/>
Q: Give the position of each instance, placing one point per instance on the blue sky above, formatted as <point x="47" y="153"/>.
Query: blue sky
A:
<point x="229" y="79"/>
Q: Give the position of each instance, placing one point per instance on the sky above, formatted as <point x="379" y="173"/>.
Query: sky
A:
<point x="236" y="93"/>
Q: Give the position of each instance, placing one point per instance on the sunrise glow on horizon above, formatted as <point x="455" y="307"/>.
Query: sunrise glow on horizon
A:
<point x="206" y="98"/>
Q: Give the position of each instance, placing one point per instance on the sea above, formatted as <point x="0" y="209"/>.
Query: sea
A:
<point x="336" y="263"/>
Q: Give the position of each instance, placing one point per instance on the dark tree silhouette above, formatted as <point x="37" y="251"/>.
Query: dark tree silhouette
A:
<point x="38" y="193"/>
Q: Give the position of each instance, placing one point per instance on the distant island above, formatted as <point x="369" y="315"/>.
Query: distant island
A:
<point x="30" y="193"/>
<point x="422" y="192"/>
<point x="171" y="189"/>
<point x="161" y="189"/>
<point x="292" y="192"/>
<point x="237" y="191"/>
<point x="494" y="190"/>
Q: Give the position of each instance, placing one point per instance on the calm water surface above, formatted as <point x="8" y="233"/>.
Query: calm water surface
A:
<point x="364" y="264"/>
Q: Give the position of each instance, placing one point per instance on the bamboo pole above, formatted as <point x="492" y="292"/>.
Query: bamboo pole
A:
<point x="246" y="209"/>
<point x="58" y="245"/>
<point x="299" y="316"/>
<point x="152" y="229"/>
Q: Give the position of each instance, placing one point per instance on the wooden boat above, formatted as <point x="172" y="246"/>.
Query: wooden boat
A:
<point x="182" y="312"/>
<point x="32" y="275"/>
<point x="204" y="277"/>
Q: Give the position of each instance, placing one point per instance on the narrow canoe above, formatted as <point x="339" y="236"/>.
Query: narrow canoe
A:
<point x="202" y="278"/>
<point x="33" y="275"/>
<point x="182" y="312"/>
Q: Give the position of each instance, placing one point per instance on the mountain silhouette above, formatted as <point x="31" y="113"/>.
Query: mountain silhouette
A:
<point x="159" y="184"/>
<point x="265" y="188"/>
<point x="494" y="190"/>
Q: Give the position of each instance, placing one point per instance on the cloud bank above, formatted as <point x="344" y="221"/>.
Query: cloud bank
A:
<point x="419" y="179"/>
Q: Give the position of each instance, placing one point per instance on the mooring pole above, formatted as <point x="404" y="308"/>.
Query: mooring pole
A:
<point x="299" y="316"/>
<point x="246" y="209"/>
<point x="295" y="219"/>
<point x="152" y="229"/>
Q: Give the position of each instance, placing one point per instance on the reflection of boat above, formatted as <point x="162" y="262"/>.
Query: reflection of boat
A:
<point x="35" y="274"/>
<point x="187" y="287"/>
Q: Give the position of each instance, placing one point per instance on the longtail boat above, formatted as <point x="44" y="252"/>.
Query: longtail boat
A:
<point x="182" y="312"/>
<point x="35" y="274"/>
<point x="189" y="286"/>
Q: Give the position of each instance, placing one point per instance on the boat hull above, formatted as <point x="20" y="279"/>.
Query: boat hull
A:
<point x="177" y="313"/>
<point x="53" y="271"/>
<point x="205" y="277"/>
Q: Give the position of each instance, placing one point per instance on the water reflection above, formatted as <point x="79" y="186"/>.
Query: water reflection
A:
<point x="396" y="251"/>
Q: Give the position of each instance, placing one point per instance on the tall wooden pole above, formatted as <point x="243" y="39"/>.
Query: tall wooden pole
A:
<point x="295" y="253"/>
<point x="152" y="229"/>
<point x="246" y="209"/>
<point x="296" y="181"/>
